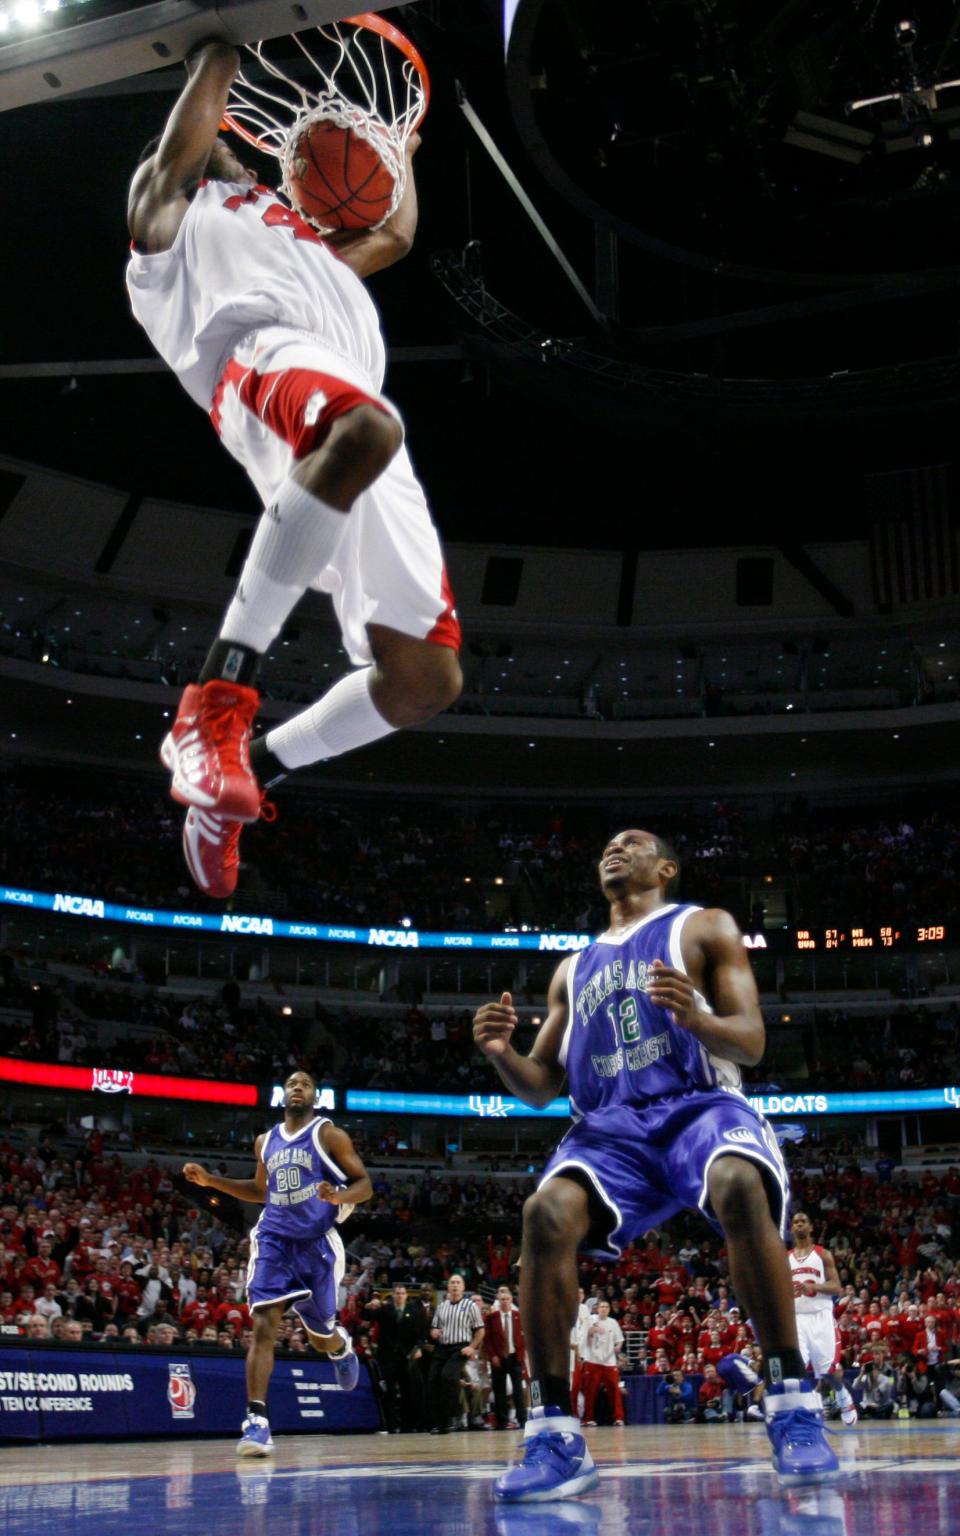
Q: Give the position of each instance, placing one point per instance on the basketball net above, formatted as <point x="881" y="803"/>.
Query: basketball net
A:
<point x="363" y="74"/>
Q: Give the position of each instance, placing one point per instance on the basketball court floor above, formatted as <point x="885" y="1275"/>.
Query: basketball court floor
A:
<point x="896" y="1480"/>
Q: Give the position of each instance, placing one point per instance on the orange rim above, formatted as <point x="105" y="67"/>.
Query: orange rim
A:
<point x="231" y="125"/>
<point x="371" y="22"/>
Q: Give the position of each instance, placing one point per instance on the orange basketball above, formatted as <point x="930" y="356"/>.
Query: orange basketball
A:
<point x="337" y="179"/>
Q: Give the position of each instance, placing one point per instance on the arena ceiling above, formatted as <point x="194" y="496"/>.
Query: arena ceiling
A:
<point x="719" y="277"/>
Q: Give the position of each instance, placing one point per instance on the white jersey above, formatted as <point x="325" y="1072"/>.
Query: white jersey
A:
<point x="600" y="1341"/>
<point x="810" y="1267"/>
<point x="242" y="259"/>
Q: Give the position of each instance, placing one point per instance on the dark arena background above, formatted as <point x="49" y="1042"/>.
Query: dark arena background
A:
<point x="677" y="353"/>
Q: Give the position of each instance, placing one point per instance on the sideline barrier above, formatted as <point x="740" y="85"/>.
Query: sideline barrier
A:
<point x="783" y="941"/>
<point x="111" y="1080"/>
<point x="643" y="1404"/>
<point x="772" y="1105"/>
<point x="101" y="1394"/>
<point x="279" y="928"/>
<point x="645" y="1407"/>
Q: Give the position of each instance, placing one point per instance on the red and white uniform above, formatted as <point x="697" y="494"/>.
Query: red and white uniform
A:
<point x="243" y="260"/>
<point x="600" y="1343"/>
<point x="276" y="337"/>
<point x="816" y="1328"/>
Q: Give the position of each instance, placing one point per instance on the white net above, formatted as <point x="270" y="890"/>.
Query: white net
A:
<point x="359" y="74"/>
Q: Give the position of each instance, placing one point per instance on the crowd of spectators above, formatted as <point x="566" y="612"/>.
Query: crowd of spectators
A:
<point x="94" y="1247"/>
<point x="907" y="1047"/>
<point x="466" y="865"/>
<point x="221" y="1034"/>
<point x="214" y="1034"/>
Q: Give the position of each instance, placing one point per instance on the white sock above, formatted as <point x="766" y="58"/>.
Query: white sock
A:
<point x="557" y="1424"/>
<point x="843" y="1398"/>
<point x="295" y="538"/>
<point x="795" y="1394"/>
<point x="346" y="717"/>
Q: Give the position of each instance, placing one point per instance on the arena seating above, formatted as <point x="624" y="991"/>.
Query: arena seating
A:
<point x="137" y="1256"/>
<point x="483" y="867"/>
<point x="221" y="1032"/>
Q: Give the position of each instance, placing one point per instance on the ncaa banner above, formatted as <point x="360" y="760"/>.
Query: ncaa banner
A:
<point x="92" y="1394"/>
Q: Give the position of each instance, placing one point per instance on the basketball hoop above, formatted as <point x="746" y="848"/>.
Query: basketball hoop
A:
<point x="372" y="81"/>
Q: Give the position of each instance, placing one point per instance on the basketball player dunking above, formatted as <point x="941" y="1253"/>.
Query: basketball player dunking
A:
<point x="649" y="1024"/>
<point x="296" y="1255"/>
<point x="270" y="329"/>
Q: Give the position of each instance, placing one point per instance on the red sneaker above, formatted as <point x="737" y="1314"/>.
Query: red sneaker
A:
<point x="207" y="750"/>
<point x="211" y="847"/>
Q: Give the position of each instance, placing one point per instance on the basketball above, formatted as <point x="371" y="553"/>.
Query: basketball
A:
<point x="337" y="179"/>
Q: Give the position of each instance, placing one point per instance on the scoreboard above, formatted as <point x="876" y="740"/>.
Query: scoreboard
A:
<point x="875" y="936"/>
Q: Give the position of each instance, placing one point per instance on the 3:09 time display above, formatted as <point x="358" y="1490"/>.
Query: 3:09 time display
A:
<point x="884" y="936"/>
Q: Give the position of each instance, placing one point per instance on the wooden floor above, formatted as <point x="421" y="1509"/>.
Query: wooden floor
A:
<point x="895" y="1480"/>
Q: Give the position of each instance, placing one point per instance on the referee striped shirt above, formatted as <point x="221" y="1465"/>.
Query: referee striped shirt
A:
<point x="458" y="1321"/>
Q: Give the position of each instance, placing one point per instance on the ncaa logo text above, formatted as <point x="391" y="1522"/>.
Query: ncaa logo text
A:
<point x="262" y="925"/>
<point x="394" y="938"/>
<point x="78" y="906"/>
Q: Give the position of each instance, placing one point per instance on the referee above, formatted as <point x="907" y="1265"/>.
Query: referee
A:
<point x="457" y="1332"/>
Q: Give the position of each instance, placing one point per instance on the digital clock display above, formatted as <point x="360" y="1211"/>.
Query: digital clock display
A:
<point x="874" y="936"/>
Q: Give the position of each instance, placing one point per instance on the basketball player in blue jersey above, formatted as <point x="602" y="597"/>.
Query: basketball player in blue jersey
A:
<point x="308" y="1177"/>
<point x="650" y="1025"/>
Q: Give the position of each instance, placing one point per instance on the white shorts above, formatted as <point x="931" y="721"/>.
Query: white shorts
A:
<point x="819" y="1341"/>
<point x="278" y="396"/>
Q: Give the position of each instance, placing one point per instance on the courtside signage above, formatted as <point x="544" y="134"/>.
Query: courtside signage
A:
<point x="494" y="1106"/>
<point x="258" y="926"/>
<point x="277" y="928"/>
<point x="100" y="1394"/>
<point x="252" y="925"/>
<point x="41" y="1074"/>
<point x="486" y="1106"/>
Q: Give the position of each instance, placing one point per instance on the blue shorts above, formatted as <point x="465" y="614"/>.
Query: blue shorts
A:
<point x="303" y="1271"/>
<point x="644" y="1164"/>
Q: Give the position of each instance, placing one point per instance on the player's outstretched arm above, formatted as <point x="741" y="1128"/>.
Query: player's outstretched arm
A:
<point x="253" y="1190"/>
<point x="712" y="943"/>
<point x="343" y="1153"/>
<point x="538" y="1077"/>
<point x="163" y="183"/>
<point x="369" y="251"/>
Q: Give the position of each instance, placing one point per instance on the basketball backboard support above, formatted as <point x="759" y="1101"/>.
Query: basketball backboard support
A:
<point x="51" y="65"/>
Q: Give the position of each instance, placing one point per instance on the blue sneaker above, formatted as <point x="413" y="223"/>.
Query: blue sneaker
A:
<point x="795" y="1425"/>
<point x="556" y="1462"/>
<point x="255" y="1438"/>
<point x="347" y="1366"/>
